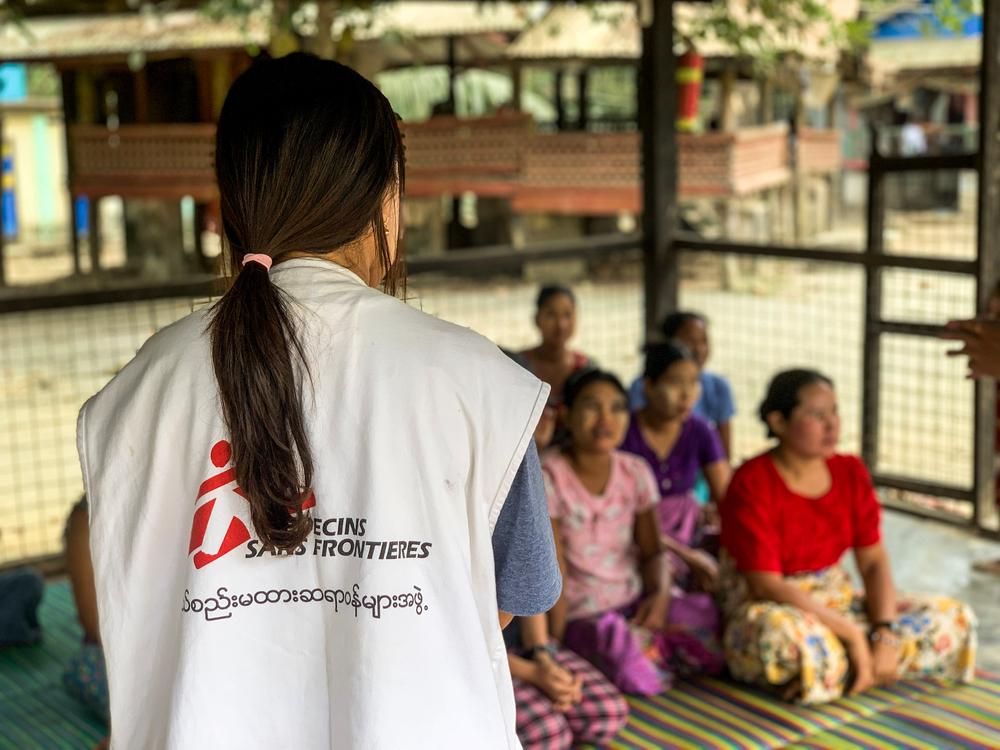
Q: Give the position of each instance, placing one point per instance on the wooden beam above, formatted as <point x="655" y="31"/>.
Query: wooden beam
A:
<point x="657" y="120"/>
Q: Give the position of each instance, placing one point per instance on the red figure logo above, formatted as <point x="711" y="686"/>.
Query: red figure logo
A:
<point x="237" y="533"/>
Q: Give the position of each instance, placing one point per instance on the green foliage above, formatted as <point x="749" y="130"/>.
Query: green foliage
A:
<point x="43" y="81"/>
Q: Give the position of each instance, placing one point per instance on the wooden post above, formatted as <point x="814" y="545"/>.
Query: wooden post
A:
<point x="727" y="118"/>
<point x="452" y="77"/>
<point x="68" y="85"/>
<point x="560" y="106"/>
<point x="94" y="233"/>
<point x="985" y="509"/>
<point x="222" y="76"/>
<point x="657" y="118"/>
<point x="583" y="95"/>
<point x="517" y="83"/>
<point x="872" y="358"/>
<point x="798" y="206"/>
<point x="140" y="90"/>
<point x="766" y="111"/>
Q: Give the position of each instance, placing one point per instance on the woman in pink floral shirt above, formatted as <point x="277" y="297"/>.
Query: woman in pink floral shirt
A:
<point x="615" y="609"/>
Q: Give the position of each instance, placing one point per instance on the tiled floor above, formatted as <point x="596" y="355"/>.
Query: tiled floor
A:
<point x="932" y="557"/>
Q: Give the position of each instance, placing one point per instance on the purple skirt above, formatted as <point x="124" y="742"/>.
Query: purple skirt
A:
<point x="642" y="662"/>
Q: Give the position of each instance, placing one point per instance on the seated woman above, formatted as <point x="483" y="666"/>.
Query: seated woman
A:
<point x="715" y="404"/>
<point x="21" y="592"/>
<point x="552" y="360"/>
<point x="85" y="678"/>
<point x="561" y="700"/>
<point x="615" y="609"/>
<point x="677" y="444"/>
<point x="793" y="622"/>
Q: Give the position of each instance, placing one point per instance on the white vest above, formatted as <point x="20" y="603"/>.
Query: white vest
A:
<point x="381" y="630"/>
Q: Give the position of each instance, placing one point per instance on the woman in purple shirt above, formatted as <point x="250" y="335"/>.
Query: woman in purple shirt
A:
<point x="677" y="444"/>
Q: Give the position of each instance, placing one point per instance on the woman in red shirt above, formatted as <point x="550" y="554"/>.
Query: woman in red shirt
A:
<point x="793" y="621"/>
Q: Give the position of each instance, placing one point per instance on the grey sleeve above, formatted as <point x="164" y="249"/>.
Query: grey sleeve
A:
<point x="524" y="554"/>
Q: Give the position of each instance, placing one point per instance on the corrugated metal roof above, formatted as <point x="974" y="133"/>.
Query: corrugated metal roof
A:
<point x="120" y="35"/>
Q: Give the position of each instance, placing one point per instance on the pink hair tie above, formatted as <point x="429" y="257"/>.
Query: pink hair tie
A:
<point x="264" y="260"/>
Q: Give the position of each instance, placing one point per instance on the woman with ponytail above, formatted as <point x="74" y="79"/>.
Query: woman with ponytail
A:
<point x="312" y="506"/>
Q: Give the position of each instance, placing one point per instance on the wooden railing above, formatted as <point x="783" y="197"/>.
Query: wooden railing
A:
<point x="502" y="155"/>
<point x="152" y="161"/>
<point x="819" y="151"/>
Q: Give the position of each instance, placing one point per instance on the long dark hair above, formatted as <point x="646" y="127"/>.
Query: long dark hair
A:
<point x="307" y="151"/>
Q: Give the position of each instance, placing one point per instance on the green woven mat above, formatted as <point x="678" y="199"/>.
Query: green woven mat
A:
<point x="35" y="711"/>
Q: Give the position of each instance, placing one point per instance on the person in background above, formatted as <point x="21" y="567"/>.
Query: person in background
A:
<point x="85" y="678"/>
<point x="616" y="606"/>
<point x="552" y="361"/>
<point x="716" y="402"/>
<point x="21" y="592"/>
<point x="561" y="699"/>
<point x="981" y="339"/>
<point x="225" y="458"/>
<point x="793" y="620"/>
<point x="678" y="444"/>
<point x="912" y="138"/>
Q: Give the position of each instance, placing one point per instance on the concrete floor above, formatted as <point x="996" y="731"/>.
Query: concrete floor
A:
<point x="931" y="557"/>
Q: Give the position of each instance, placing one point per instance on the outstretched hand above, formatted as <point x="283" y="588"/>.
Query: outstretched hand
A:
<point x="980" y="339"/>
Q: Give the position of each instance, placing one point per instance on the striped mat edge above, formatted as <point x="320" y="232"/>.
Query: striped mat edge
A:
<point x="711" y="713"/>
<point x="702" y="714"/>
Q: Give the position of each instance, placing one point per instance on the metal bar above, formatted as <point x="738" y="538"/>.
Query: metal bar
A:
<point x="48" y="565"/>
<point x="499" y="259"/>
<point x="692" y="242"/>
<point x="872" y="355"/>
<point x="503" y="258"/>
<point x="191" y="288"/>
<point x="926" y="513"/>
<point x="988" y="229"/>
<point x="922" y="488"/>
<point x="895" y="164"/>
<point x="657" y="117"/>
<point x="899" y="327"/>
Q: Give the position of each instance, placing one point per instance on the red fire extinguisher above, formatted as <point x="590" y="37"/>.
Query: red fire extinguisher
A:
<point x="690" y="72"/>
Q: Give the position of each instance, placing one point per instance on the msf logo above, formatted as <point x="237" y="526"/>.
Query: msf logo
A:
<point x="207" y="516"/>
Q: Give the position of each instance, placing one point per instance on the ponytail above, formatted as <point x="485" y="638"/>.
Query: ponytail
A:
<point x="255" y="351"/>
<point x="307" y="153"/>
